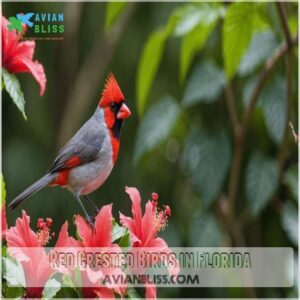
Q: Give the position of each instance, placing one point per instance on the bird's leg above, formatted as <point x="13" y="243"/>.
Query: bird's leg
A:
<point x="88" y="218"/>
<point x="91" y="202"/>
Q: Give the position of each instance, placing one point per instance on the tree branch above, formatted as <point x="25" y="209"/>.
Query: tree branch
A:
<point x="289" y="71"/>
<point x="284" y="23"/>
<point x="90" y="75"/>
<point x="239" y="143"/>
<point x="231" y="106"/>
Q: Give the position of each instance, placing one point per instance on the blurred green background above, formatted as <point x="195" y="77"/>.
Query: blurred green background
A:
<point x="188" y="72"/>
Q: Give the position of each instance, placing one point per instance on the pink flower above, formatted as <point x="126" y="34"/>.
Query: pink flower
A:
<point x="26" y="247"/>
<point x="144" y="229"/>
<point x="99" y="237"/>
<point x="3" y="221"/>
<point x="17" y="56"/>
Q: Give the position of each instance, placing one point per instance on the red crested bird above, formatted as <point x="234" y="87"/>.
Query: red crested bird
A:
<point x="86" y="161"/>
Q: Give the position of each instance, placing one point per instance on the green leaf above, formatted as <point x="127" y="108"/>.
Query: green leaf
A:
<point x="204" y="85"/>
<point x="68" y="281"/>
<point x="211" y="234"/>
<point x="241" y="20"/>
<point x="118" y="231"/>
<point x="293" y="24"/>
<point x="3" y="191"/>
<point x="197" y="13"/>
<point x="248" y="89"/>
<point x="13" y="273"/>
<point x="125" y="241"/>
<point x="273" y="101"/>
<point x="197" y="25"/>
<point x="131" y="293"/>
<point x="289" y="221"/>
<point x="13" y="88"/>
<point x="156" y="126"/>
<point x="261" y="181"/>
<point x="191" y="44"/>
<point x="51" y="289"/>
<point x="113" y="10"/>
<point x="207" y="158"/>
<point x="262" y="45"/>
<point x="291" y="180"/>
<point x="150" y="60"/>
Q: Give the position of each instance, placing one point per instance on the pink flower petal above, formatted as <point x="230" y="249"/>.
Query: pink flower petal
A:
<point x="129" y="224"/>
<point x="17" y="56"/>
<point x="37" y="71"/>
<point x="104" y="293"/>
<point x="136" y="208"/>
<point x="84" y="230"/>
<point x="149" y="232"/>
<point x="173" y="267"/>
<point x="150" y="291"/>
<point x="103" y="227"/>
<point x="23" y="244"/>
<point x="64" y="240"/>
<point x="21" y="235"/>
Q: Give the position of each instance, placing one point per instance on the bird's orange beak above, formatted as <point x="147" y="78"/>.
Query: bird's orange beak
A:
<point x="124" y="112"/>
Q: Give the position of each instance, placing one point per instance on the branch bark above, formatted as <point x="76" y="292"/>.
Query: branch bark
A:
<point x="90" y="75"/>
<point x="231" y="106"/>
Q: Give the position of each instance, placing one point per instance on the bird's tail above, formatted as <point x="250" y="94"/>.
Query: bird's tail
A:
<point x="42" y="182"/>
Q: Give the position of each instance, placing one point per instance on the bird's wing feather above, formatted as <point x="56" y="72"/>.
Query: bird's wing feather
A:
<point x="82" y="148"/>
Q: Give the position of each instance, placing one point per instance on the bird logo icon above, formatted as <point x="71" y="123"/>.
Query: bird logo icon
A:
<point x="19" y="20"/>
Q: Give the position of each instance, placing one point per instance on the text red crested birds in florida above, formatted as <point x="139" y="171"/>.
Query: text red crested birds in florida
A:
<point x="86" y="161"/>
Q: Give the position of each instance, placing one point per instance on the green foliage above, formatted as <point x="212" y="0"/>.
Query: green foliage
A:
<point x="272" y="101"/>
<point x="3" y="191"/>
<point x="113" y="10"/>
<point x="204" y="85"/>
<point x="211" y="235"/>
<point x="207" y="165"/>
<point x="262" y="45"/>
<point x="289" y="221"/>
<point x="273" y="104"/>
<point x="196" y="24"/>
<point x="241" y="20"/>
<point x="120" y="235"/>
<point x="150" y="60"/>
<point x="13" y="273"/>
<point x="132" y="294"/>
<point x="148" y="65"/>
<point x="261" y="181"/>
<point x="12" y="86"/>
<point x="195" y="14"/>
<point x="291" y="180"/>
<point x="293" y="24"/>
<point x="248" y="89"/>
<point x="156" y="126"/>
<point x="51" y="289"/>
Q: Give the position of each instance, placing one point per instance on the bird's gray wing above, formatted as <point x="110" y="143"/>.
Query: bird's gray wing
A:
<point x="82" y="148"/>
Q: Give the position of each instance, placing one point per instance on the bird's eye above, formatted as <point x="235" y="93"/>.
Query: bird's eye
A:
<point x="112" y="104"/>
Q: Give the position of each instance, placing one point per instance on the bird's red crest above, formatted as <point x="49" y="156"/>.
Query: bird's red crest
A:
<point x="111" y="92"/>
